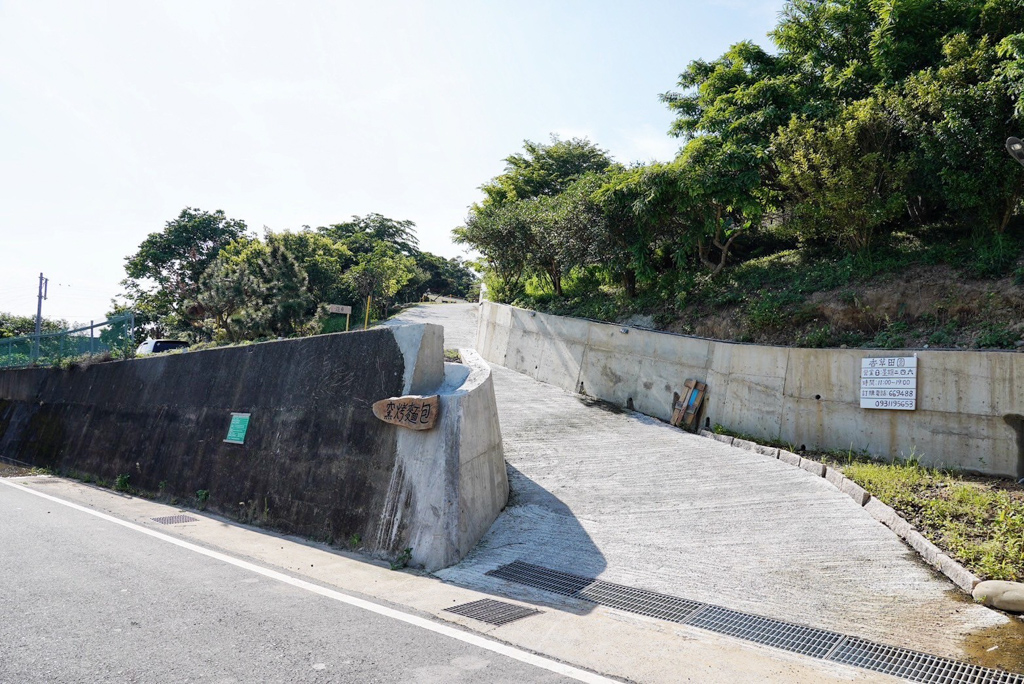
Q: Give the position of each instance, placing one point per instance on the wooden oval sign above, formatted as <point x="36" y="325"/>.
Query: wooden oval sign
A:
<point x="412" y="411"/>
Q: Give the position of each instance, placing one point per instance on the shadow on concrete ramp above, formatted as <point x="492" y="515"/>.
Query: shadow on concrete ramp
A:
<point x="538" y="528"/>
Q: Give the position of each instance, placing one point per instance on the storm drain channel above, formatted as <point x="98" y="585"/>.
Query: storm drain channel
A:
<point x="493" y="612"/>
<point x="174" y="519"/>
<point x="809" y="641"/>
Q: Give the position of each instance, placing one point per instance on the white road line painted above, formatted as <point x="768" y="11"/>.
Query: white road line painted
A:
<point x="474" y="639"/>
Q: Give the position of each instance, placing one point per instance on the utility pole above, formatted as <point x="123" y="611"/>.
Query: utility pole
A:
<point x="44" y="288"/>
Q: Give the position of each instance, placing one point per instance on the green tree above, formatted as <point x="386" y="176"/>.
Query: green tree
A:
<point x="545" y="170"/>
<point x="636" y="205"/>
<point x="533" y="219"/>
<point x="362" y="233"/>
<point x="501" y="234"/>
<point x="164" y="274"/>
<point x="21" y="326"/>
<point x="440" y="276"/>
<point x="846" y="178"/>
<point x="287" y="303"/>
<point x="959" y="114"/>
<point x="253" y="289"/>
<point x="324" y="259"/>
<point x="381" y="274"/>
<point x="742" y="97"/>
<point x="567" y="232"/>
<point x="227" y="305"/>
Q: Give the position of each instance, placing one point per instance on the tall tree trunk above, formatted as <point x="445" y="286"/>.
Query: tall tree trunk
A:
<point x="629" y="282"/>
<point x="1010" y="206"/>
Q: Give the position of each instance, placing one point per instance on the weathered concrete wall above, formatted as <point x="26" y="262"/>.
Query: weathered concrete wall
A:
<point x="969" y="403"/>
<point x="315" y="462"/>
<point x="457" y="469"/>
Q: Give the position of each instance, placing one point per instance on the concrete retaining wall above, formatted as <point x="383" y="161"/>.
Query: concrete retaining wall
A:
<point x="969" y="403"/>
<point x="315" y="461"/>
<point x="456" y="471"/>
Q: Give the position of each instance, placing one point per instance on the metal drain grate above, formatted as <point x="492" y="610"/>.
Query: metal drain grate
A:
<point x="175" y="519"/>
<point x="493" y="612"/>
<point x="542" y="578"/>
<point x="915" y="666"/>
<point x="785" y="635"/>
<point x="639" y="601"/>
<point x="809" y="641"/>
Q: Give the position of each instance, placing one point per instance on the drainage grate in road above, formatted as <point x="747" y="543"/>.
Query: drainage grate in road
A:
<point x="542" y="578"/>
<point x="785" y="635"/>
<point x="640" y="601"/>
<point x="175" y="519"/>
<point x="649" y="603"/>
<point x="915" y="666"/>
<point x="809" y="641"/>
<point x="493" y="612"/>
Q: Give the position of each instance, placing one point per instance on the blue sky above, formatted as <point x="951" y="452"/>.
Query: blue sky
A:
<point x="116" y="115"/>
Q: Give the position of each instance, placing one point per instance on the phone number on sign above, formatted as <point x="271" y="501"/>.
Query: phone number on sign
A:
<point x="889" y="403"/>
<point x="889" y="393"/>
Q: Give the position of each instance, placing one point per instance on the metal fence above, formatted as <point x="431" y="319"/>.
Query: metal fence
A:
<point x="115" y="335"/>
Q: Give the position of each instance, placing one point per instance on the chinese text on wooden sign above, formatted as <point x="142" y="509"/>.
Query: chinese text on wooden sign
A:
<point x="413" y="412"/>
<point x="889" y="383"/>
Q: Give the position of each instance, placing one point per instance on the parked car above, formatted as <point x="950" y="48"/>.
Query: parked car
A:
<point x="156" y="346"/>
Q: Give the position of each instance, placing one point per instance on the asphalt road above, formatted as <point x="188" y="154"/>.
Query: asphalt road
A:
<point x="84" y="599"/>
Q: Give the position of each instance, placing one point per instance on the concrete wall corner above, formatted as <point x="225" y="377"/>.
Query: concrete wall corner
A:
<point x="422" y="346"/>
<point x="454" y="475"/>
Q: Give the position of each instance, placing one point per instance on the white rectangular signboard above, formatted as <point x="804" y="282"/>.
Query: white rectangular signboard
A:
<point x="889" y="383"/>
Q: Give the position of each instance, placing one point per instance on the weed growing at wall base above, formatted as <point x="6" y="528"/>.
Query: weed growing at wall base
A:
<point x="402" y="560"/>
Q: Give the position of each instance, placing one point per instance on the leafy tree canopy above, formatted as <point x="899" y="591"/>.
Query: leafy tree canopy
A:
<point x="165" y="271"/>
<point x="545" y="170"/>
<point x="176" y="257"/>
<point x="361" y="234"/>
<point x="20" y="326"/>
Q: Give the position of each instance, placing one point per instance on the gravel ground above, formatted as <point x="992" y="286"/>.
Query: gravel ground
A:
<point x="10" y="470"/>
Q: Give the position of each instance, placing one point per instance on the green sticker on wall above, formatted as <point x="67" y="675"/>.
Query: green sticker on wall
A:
<point x="236" y="431"/>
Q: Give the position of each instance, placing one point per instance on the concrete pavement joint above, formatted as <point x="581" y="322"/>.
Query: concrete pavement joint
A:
<point x="963" y="578"/>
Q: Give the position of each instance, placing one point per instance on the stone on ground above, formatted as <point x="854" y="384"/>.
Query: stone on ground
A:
<point x="1007" y="596"/>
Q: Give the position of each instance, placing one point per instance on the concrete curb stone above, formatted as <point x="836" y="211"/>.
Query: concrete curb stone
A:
<point x="855" y="492"/>
<point x="835" y="477"/>
<point x="961" y="576"/>
<point x="725" y="439"/>
<point x="789" y="457"/>
<point x="890" y="518"/>
<point x="930" y="552"/>
<point x="881" y="512"/>
<point x="813" y="467"/>
<point x="707" y="433"/>
<point x="767" y="451"/>
<point x="743" y="444"/>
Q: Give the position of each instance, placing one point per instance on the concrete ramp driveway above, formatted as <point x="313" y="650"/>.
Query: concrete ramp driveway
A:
<point x="618" y="496"/>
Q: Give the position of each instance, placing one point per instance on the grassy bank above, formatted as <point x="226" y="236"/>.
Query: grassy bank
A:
<point x="943" y="293"/>
<point x="979" y="521"/>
